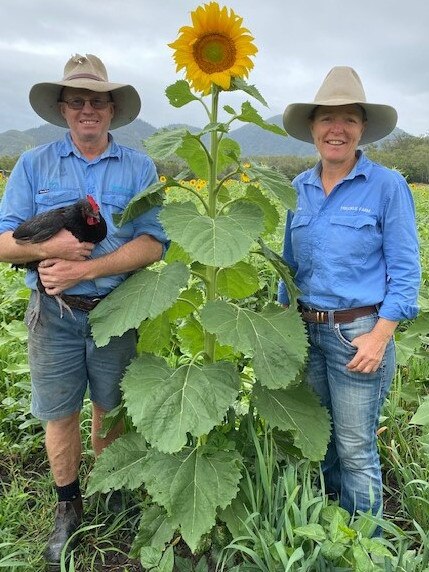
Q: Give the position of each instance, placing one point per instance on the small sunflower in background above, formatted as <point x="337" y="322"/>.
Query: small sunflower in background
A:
<point x="215" y="49"/>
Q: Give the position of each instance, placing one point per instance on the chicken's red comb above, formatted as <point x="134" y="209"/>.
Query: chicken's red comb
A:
<point x="92" y="202"/>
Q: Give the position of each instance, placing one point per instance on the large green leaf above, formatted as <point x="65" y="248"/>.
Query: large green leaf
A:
<point x="250" y="115"/>
<point x="275" y="182"/>
<point x="238" y="281"/>
<point x="192" y="151"/>
<point x="189" y="301"/>
<point x="156" y="528"/>
<point x="271" y="214"/>
<point x="145" y="200"/>
<point x="179" y="93"/>
<point x="211" y="127"/>
<point x="164" y="143"/>
<point x="176" y="253"/>
<point x="276" y="337"/>
<point x="409" y="341"/>
<point x="154" y="335"/>
<point x="227" y="151"/>
<point x="119" y="465"/>
<point x="145" y="294"/>
<point x="296" y="409"/>
<point x="166" y="404"/>
<point x="192" y="485"/>
<point x="239" y="83"/>
<point x="236" y="514"/>
<point x="191" y="337"/>
<point x="421" y="416"/>
<point x="283" y="271"/>
<point x="220" y="241"/>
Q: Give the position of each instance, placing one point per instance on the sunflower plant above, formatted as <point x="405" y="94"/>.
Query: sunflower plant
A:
<point x="235" y="365"/>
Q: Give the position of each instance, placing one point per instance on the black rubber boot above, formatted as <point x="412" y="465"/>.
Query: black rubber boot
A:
<point x="68" y="518"/>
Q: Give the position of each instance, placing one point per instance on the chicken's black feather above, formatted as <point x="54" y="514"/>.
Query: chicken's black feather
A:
<point x="83" y="219"/>
<point x="73" y="218"/>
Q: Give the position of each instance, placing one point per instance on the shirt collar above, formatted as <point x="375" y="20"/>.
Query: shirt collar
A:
<point x="362" y="167"/>
<point x="67" y="148"/>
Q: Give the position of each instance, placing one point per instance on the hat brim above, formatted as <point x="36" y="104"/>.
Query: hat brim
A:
<point x="44" y="100"/>
<point x="381" y="120"/>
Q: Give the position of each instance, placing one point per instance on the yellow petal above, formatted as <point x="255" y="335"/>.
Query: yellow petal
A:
<point x="215" y="48"/>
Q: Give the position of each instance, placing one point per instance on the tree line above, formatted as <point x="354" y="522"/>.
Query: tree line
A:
<point x="406" y="153"/>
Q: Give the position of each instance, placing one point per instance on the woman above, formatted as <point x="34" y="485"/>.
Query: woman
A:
<point x="353" y="244"/>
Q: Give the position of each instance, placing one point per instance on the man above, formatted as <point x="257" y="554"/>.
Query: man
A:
<point x="62" y="355"/>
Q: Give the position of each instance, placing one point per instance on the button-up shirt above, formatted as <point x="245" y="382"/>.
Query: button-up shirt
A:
<point x="56" y="175"/>
<point x="358" y="246"/>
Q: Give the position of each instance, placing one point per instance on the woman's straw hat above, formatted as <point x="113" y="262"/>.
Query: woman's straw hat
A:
<point x="342" y="86"/>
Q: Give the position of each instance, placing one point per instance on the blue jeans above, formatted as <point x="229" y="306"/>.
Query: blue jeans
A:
<point x="352" y="465"/>
<point x="65" y="362"/>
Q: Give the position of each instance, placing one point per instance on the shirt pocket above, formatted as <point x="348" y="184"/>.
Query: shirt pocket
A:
<point x="300" y="236"/>
<point x="352" y="239"/>
<point x="114" y="204"/>
<point x="47" y="200"/>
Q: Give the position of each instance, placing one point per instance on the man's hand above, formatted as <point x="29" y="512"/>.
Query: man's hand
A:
<point x="66" y="246"/>
<point x="58" y="275"/>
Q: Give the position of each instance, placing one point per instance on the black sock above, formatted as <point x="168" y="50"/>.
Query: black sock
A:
<point x="68" y="492"/>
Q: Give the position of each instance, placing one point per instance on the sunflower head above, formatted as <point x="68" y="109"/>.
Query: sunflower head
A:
<point x="214" y="49"/>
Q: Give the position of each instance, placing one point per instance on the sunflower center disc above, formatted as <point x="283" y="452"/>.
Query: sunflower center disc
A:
<point x="214" y="53"/>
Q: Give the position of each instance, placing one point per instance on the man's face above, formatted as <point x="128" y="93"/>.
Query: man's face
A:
<point x="88" y="123"/>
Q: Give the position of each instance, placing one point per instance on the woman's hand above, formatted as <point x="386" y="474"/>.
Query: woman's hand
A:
<point x="371" y="347"/>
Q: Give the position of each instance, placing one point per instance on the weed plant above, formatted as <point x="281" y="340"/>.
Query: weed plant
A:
<point x="402" y="445"/>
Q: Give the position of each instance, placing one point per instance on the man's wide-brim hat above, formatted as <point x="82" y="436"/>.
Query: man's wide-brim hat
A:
<point x="85" y="72"/>
<point x="342" y="86"/>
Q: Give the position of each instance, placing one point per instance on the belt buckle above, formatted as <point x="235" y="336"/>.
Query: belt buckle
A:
<point x="320" y="316"/>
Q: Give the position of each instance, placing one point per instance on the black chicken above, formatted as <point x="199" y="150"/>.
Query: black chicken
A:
<point x="83" y="219"/>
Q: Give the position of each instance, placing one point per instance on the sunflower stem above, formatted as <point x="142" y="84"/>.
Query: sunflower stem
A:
<point x="226" y="178"/>
<point x="210" y="339"/>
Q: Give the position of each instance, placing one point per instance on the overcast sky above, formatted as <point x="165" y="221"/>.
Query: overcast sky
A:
<point x="386" y="41"/>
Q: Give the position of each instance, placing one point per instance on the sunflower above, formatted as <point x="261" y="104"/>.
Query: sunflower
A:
<point x="215" y="49"/>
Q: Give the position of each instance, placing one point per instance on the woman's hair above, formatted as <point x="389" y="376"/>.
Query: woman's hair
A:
<point x="312" y="114"/>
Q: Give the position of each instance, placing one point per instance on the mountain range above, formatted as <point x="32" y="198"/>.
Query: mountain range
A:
<point x="253" y="140"/>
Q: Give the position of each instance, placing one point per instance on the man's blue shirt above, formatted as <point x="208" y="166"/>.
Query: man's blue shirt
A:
<point x="57" y="175"/>
<point x="357" y="246"/>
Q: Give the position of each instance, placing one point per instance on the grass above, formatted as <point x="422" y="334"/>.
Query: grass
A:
<point x="405" y="460"/>
<point x="281" y="501"/>
<point x="27" y="506"/>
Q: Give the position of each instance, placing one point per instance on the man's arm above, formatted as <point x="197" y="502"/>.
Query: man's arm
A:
<point x="63" y="242"/>
<point x="58" y="274"/>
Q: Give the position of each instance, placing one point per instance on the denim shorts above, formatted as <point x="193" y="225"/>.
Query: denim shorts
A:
<point x="65" y="362"/>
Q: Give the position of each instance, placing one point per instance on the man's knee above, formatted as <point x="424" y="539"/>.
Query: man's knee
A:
<point x="62" y="431"/>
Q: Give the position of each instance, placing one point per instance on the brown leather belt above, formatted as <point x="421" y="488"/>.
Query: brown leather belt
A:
<point x="340" y="316"/>
<point x="85" y="303"/>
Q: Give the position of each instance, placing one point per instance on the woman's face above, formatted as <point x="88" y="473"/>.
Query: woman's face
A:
<point x="337" y="131"/>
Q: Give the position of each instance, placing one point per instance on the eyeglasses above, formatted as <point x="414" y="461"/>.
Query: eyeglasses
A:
<point x="79" y="102"/>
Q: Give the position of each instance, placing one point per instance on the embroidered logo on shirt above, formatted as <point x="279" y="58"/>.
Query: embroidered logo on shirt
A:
<point x="357" y="209"/>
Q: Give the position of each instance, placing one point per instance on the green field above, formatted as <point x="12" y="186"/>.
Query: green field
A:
<point x="27" y="498"/>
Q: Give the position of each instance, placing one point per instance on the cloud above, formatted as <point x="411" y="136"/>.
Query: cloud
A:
<point x="298" y="43"/>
